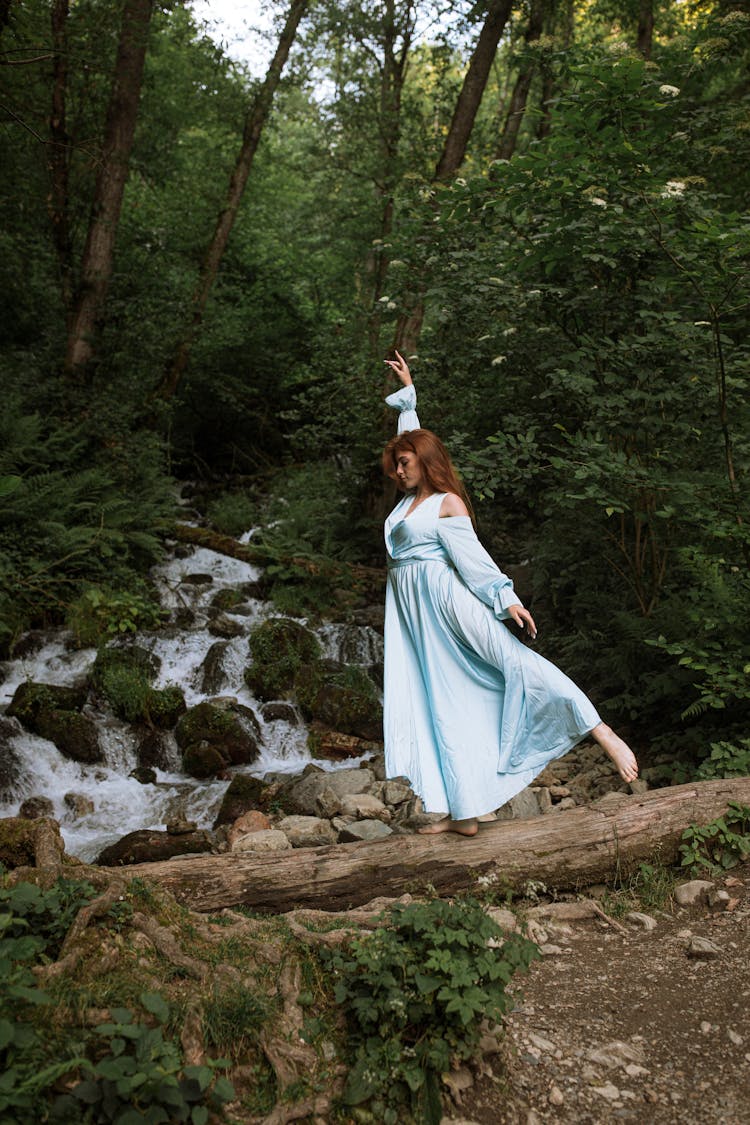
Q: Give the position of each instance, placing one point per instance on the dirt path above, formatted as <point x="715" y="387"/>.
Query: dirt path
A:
<point x="631" y="1025"/>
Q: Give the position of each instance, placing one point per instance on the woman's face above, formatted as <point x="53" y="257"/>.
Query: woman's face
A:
<point x="408" y="470"/>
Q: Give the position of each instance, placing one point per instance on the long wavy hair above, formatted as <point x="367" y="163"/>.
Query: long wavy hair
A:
<point x="434" y="461"/>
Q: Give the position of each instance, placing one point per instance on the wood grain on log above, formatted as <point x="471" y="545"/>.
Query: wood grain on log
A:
<point x="564" y="850"/>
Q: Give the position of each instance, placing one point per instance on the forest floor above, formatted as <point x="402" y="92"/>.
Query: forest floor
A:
<point x="617" y="1023"/>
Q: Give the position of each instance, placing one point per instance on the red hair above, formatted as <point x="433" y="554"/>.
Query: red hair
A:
<point x="434" y="460"/>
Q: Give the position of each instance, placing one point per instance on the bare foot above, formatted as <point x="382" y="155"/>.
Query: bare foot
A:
<point x="462" y="827"/>
<point x="619" y="751"/>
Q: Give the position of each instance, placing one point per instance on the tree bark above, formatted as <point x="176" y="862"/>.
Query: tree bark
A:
<point x="563" y="850"/>
<point x="59" y="159"/>
<point x="254" y="123"/>
<point x="472" y="90"/>
<point x="645" y="38"/>
<point x="98" y="254"/>
<point x="409" y="324"/>
<point x="517" y="108"/>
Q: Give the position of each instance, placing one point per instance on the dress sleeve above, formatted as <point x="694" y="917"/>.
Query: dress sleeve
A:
<point x="476" y="566"/>
<point x="405" y="401"/>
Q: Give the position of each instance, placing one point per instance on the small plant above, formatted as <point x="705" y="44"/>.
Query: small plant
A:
<point x="142" y="1078"/>
<point x="101" y="614"/>
<point x="719" y="845"/>
<point x="415" y="994"/>
<point x="233" y="513"/>
<point x="727" y="759"/>
<point x="232" y="1020"/>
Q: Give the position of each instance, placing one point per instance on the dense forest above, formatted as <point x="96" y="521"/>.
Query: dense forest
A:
<point x="542" y="203"/>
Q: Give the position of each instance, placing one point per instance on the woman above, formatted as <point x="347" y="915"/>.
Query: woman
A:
<point x="471" y="714"/>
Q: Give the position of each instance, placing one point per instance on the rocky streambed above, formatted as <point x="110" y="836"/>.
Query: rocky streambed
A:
<point x="232" y="727"/>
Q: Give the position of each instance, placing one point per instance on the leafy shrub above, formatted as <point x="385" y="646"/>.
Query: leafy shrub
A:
<point x="415" y="994"/>
<point x="719" y="845"/>
<point x="142" y="1078"/>
<point x="233" y="513"/>
<point x="100" y="614"/>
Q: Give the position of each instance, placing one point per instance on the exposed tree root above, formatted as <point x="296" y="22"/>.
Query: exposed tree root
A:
<point x="167" y="945"/>
<point x="71" y="952"/>
<point x="290" y="1057"/>
<point x="311" y="1107"/>
<point x="191" y="1037"/>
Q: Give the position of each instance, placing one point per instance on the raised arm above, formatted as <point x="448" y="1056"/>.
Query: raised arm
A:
<point x="405" y="400"/>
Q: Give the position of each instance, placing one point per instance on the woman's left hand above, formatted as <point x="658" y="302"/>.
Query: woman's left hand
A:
<point x="522" y="617"/>
<point x="401" y="368"/>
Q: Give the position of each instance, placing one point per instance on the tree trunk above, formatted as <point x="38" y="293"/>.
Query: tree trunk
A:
<point x="409" y="324"/>
<point x="5" y="6"/>
<point x="563" y="850"/>
<point x="472" y="90"/>
<point x="98" y="254"/>
<point x="254" y="123"/>
<point x="645" y="38"/>
<point x="59" y="160"/>
<point x="521" y="89"/>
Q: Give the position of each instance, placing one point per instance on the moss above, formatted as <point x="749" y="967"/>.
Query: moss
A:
<point x="244" y="793"/>
<point x="201" y="760"/>
<point x="279" y="647"/>
<point x="164" y="707"/>
<point x="124" y="677"/>
<point x="17" y="837"/>
<point x="343" y="698"/>
<point x="31" y="700"/>
<point x="54" y="712"/>
<point x="133" y="658"/>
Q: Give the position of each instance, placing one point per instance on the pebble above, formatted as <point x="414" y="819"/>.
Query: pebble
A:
<point x="540" y="1042"/>
<point x="702" y="948"/>
<point x="735" y="1038"/>
<point x="550" y="950"/>
<point x="705" y="1027"/>
<point x="616" y="1053"/>
<point x="610" y="1092"/>
<point x="719" y="900"/>
<point x="556" y="1096"/>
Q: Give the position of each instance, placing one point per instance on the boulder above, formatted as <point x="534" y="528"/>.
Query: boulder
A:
<point x="213" y="671"/>
<point x="132" y="658"/>
<point x="341" y="697"/>
<point x="35" y="807"/>
<point x="364" y="830"/>
<point x="335" y="746"/>
<point x="53" y="712"/>
<point x="78" y="804"/>
<point x="153" y="749"/>
<point x="280" y="711"/>
<point x="269" y="840"/>
<point x="397" y="791"/>
<point x="302" y="795"/>
<point x="244" y="793"/>
<point x="10" y="763"/>
<point x="144" y="846"/>
<point x="278" y="647"/>
<point x="144" y="774"/>
<point x="253" y="821"/>
<point x="224" y="626"/>
<point x="124" y="677"/>
<point x="521" y="807"/>
<point x="307" y="831"/>
<point x="18" y="837"/>
<point x="693" y="893"/>
<point x="364" y="806"/>
<point x="228" y="729"/>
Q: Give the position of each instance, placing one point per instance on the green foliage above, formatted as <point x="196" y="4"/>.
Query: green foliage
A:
<point x="233" y="513"/>
<point x="142" y="1078"/>
<point x="100" y="614"/>
<point x="279" y="647"/>
<point x="415" y="994"/>
<point x="720" y="845"/>
<point x="727" y="759"/>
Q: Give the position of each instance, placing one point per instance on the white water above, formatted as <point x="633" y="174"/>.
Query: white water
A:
<point x="122" y="804"/>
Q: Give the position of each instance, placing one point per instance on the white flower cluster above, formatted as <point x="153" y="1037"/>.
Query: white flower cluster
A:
<point x="598" y="201"/>
<point x="673" y="189"/>
<point x="498" y="360"/>
<point x="669" y="91"/>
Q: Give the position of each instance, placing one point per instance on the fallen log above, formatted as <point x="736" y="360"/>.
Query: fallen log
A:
<point x="246" y="552"/>
<point x="565" y="850"/>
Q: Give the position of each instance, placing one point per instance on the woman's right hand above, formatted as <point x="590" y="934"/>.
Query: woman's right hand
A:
<point x="401" y="367"/>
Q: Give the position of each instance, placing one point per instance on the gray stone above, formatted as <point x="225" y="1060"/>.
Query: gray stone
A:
<point x="396" y="791"/>
<point x="35" y="807"/>
<point x="79" y="804"/>
<point x="696" y="891"/>
<point x="364" y="806"/>
<point x="703" y="949"/>
<point x="214" y="674"/>
<point x="503" y="918"/>
<point x="267" y="840"/>
<point x="557" y="792"/>
<point x="307" y="831"/>
<point x="640" y="785"/>
<point x="610" y="1092"/>
<point x="544" y="800"/>
<point x="223" y="626"/>
<point x="328" y="803"/>
<point x="521" y="807"/>
<point x="302" y="796"/>
<point x="280" y="710"/>
<point x="719" y="900"/>
<point x="616" y="1053"/>
<point x="364" y="830"/>
<point x="640" y="921"/>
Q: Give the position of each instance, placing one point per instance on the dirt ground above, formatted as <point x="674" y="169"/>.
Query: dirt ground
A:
<point x="625" y="1024"/>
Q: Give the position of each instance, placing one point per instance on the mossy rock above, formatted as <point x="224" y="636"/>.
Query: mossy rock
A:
<point x="231" y="730"/>
<point x="342" y="697"/>
<point x="244" y="793"/>
<point x="10" y="763"/>
<point x="53" y="712"/>
<point x="134" y="658"/>
<point x="17" y="842"/>
<point x="279" y="647"/>
<point x="164" y="706"/>
<point x="144" y="846"/>
<point x="127" y="688"/>
<point x="202" y="760"/>
<point x="31" y="700"/>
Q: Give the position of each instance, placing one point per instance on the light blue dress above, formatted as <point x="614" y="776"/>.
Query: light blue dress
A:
<point x="471" y="714"/>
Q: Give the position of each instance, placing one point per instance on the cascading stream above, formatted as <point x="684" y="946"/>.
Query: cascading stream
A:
<point x="103" y="802"/>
